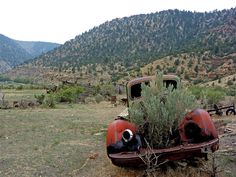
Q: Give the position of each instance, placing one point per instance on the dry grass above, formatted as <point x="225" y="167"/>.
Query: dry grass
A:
<point x="16" y="95"/>
<point x="52" y="142"/>
<point x="70" y="141"/>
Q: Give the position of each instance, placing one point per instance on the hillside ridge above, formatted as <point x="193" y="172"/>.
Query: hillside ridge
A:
<point x="120" y="48"/>
<point x="143" y="38"/>
<point x="13" y="52"/>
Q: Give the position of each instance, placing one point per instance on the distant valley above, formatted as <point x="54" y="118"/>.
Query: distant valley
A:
<point x="13" y="52"/>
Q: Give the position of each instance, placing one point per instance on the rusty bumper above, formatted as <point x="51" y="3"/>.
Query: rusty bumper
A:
<point x="134" y="159"/>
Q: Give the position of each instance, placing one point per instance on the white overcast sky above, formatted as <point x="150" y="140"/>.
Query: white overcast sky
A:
<point x="61" y="20"/>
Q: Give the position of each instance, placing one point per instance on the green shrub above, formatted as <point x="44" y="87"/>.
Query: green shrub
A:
<point x="40" y="98"/>
<point x="160" y="112"/>
<point x="19" y="87"/>
<point x="69" y="94"/>
<point x="230" y="82"/>
<point x="98" y="98"/>
<point x="190" y="63"/>
<point x="197" y="81"/>
<point x="177" y="62"/>
<point x="4" y="104"/>
<point x="231" y="91"/>
<point x="171" y="70"/>
<point x="4" y="78"/>
<point x="196" y="91"/>
<point x="23" y="80"/>
<point x="213" y="95"/>
<point x="107" y="90"/>
<point x="50" y="101"/>
<point x="96" y="89"/>
<point x="114" y="78"/>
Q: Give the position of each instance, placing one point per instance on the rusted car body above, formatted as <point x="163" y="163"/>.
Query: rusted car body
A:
<point x="197" y="132"/>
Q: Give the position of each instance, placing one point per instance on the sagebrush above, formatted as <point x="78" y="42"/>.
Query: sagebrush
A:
<point x="160" y="111"/>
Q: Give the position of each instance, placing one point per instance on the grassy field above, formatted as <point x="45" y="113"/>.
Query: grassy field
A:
<point x="52" y="142"/>
<point x="17" y="95"/>
<point x="70" y="141"/>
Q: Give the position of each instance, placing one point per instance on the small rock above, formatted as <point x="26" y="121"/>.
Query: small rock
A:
<point x="93" y="156"/>
<point x="228" y="130"/>
<point x="99" y="133"/>
<point x="182" y="164"/>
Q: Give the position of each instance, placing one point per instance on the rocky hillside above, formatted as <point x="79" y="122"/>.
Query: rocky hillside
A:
<point x="191" y="67"/>
<point x="143" y="38"/>
<point x="196" y="46"/>
<point x="13" y="53"/>
<point x="194" y="68"/>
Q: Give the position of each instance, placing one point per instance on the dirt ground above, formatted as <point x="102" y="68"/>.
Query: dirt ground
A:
<point x="226" y="155"/>
<point x="70" y="141"/>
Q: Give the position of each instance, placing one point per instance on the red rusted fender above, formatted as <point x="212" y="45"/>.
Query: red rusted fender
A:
<point x="202" y="119"/>
<point x="196" y="137"/>
<point x="115" y="130"/>
<point x="197" y="133"/>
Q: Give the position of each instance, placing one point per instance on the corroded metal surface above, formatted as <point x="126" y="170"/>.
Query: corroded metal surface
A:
<point x="132" y="159"/>
<point x="197" y="133"/>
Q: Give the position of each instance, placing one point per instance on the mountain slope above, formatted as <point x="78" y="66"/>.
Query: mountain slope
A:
<point x="143" y="38"/>
<point x="13" y="53"/>
<point x="37" y="48"/>
<point x="196" y="46"/>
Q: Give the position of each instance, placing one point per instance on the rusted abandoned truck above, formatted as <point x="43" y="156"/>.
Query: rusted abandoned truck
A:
<point x="197" y="133"/>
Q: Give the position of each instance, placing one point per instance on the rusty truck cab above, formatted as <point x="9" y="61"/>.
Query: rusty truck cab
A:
<point x="133" y="87"/>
